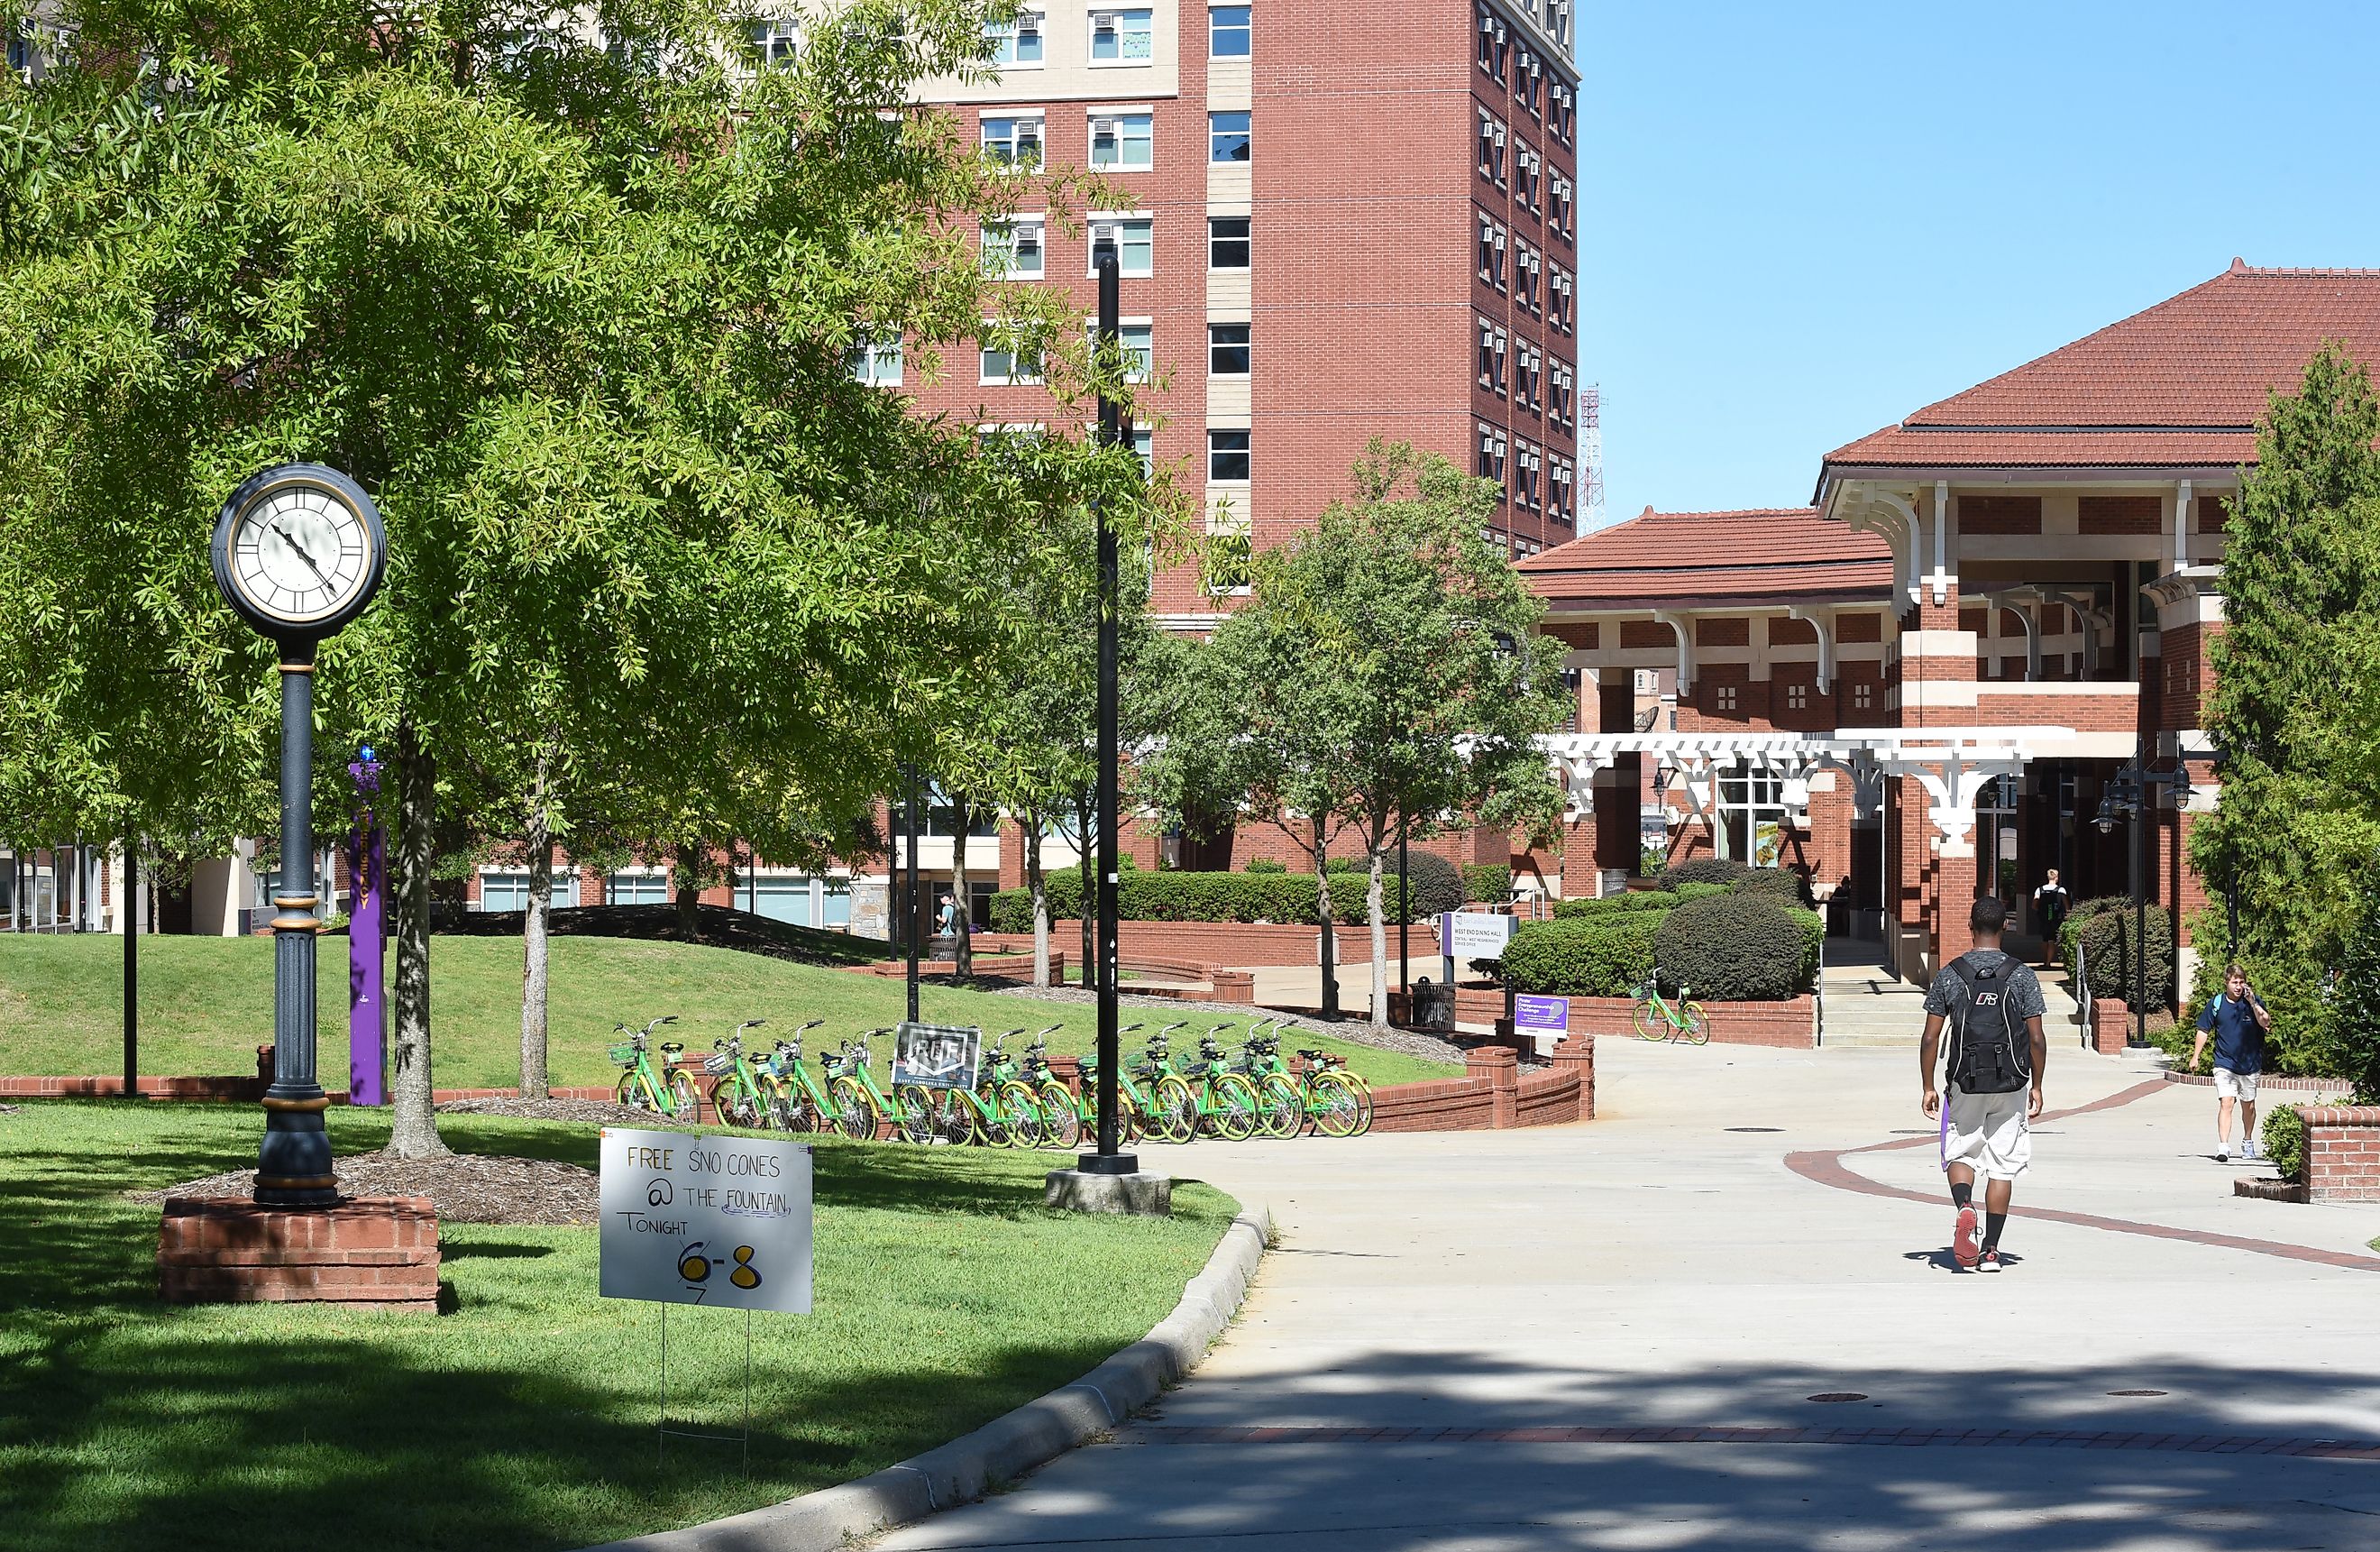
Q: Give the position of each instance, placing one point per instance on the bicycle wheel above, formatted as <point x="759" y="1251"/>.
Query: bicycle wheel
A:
<point x="732" y="1105"/>
<point x="917" y="1122"/>
<point x="687" y="1102"/>
<point x="1238" y="1112"/>
<point x="1176" y="1120"/>
<point x="1062" y="1124"/>
<point x="630" y="1092"/>
<point x="1339" y="1109"/>
<point x="1284" y="1107"/>
<point x="1023" y="1109"/>
<point x="1649" y="1024"/>
<point x="855" y="1114"/>
<point x="1697" y="1030"/>
<point x="1363" y="1102"/>
<point x="790" y="1108"/>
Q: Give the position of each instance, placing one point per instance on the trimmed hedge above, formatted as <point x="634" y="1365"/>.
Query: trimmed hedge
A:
<point x="1704" y="870"/>
<point x="1437" y="884"/>
<point x="1487" y="883"/>
<point x="1599" y="957"/>
<point x="1142" y="895"/>
<point x="1691" y="890"/>
<point x="1736" y="949"/>
<point x="1787" y="887"/>
<point x="2284" y="1141"/>
<point x="2102" y="930"/>
<point x="1612" y="905"/>
<point x="1267" y="864"/>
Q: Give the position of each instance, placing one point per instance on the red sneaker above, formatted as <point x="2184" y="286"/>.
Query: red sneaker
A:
<point x="1963" y="1240"/>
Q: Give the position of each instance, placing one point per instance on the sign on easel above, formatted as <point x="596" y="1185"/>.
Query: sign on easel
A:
<point x="936" y="1056"/>
<point x="692" y="1219"/>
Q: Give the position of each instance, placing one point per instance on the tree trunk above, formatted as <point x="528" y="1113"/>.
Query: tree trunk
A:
<point x="690" y="859"/>
<point x="1330" y="929"/>
<point x="1039" y="887"/>
<point x="533" y="945"/>
<point x="1376" y="907"/>
<point x="964" y="955"/>
<point x="413" y="1132"/>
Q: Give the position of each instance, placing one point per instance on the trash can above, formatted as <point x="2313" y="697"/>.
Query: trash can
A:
<point x="1433" y="1007"/>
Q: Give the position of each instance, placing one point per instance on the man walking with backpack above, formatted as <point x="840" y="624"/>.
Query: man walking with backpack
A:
<point x="1991" y="1000"/>
<point x="2239" y="1021"/>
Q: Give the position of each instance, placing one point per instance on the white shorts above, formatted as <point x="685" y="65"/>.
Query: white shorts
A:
<point x="1987" y="1133"/>
<point x="2235" y="1085"/>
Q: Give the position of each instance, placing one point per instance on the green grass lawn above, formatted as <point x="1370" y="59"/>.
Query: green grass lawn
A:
<point x="206" y="1004"/>
<point x="524" y="1419"/>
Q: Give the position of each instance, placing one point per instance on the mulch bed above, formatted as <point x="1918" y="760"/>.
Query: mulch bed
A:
<point x="464" y="1188"/>
<point x="600" y="1112"/>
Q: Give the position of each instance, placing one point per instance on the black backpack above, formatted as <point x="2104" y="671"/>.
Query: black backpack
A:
<point x="1990" y="1052"/>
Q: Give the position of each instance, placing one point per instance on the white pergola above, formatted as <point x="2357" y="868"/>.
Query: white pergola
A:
<point x="1951" y="763"/>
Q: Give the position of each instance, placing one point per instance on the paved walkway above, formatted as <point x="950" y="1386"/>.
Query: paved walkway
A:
<point x="1611" y="1335"/>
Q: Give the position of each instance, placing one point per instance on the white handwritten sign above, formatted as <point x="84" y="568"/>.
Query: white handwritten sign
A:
<point x="690" y="1219"/>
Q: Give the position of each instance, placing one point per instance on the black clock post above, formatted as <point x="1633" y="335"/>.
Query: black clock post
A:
<point x="298" y="551"/>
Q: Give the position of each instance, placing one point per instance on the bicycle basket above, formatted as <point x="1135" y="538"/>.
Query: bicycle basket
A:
<point x="624" y="1054"/>
<point x="720" y="1065"/>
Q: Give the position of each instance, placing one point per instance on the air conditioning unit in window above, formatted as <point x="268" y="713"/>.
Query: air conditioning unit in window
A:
<point x="1487" y="25"/>
<point x="1104" y="22"/>
<point x="1103" y="128"/>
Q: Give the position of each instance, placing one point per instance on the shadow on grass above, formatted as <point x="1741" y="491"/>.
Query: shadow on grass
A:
<point x="523" y="1421"/>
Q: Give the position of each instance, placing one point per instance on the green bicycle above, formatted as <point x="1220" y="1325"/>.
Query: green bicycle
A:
<point x="1062" y="1118"/>
<point x="797" y="1101"/>
<point x="1280" y="1101"/>
<point x="1138" y="1115"/>
<point x="1227" y="1103"/>
<point x="737" y="1093"/>
<point x="669" y="1089"/>
<point x="1000" y="1111"/>
<point x="862" y="1110"/>
<point x="1339" y="1101"/>
<point x="1658" y="1018"/>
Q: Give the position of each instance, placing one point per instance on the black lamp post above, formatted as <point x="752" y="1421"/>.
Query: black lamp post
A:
<point x="2127" y="797"/>
<point x="1109" y="1159"/>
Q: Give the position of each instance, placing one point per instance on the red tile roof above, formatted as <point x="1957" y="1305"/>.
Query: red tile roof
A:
<point x="2179" y="384"/>
<point x="1666" y="560"/>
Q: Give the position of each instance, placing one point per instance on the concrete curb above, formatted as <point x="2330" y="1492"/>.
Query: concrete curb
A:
<point x="1008" y="1445"/>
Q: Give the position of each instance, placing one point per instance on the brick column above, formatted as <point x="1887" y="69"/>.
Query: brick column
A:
<point x="1955" y="888"/>
<point x="1501" y="1067"/>
<point x="1576" y="1054"/>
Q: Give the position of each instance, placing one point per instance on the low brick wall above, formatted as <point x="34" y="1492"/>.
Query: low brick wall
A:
<point x="1790" y="1025"/>
<point x="2342" y="1152"/>
<point x="1492" y="1094"/>
<point x="2111" y="1025"/>
<point x="1240" y="943"/>
<point x="377" y="1251"/>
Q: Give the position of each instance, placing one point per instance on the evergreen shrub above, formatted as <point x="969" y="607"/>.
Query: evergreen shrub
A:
<point x="1654" y="901"/>
<point x="1606" y="956"/>
<point x="2100" y="929"/>
<point x="1486" y="883"/>
<point x="1704" y="870"/>
<point x="1733" y="947"/>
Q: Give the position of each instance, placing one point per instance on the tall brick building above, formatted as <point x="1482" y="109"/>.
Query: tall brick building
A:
<point x="1338" y="222"/>
<point x="1921" y="686"/>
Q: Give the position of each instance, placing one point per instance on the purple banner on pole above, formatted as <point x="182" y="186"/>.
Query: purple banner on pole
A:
<point x="367" y="1000"/>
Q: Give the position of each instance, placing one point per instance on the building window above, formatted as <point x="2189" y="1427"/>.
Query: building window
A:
<point x="639" y="886"/>
<point x="1227" y="242"/>
<point x="1492" y="44"/>
<point x="1493" y="450"/>
<point x="1797" y="697"/>
<point x="1525" y="270"/>
<point x="1227" y="349"/>
<point x="1123" y="142"/>
<point x="1491" y="252"/>
<point x="1010" y="361"/>
<point x="507" y="889"/>
<point x="774" y="44"/>
<point x="1144" y="442"/>
<point x="942" y="816"/>
<point x="1014" y="141"/>
<point x="1138" y="342"/>
<point x="1012" y="250"/>
<point x="1525" y="163"/>
<point x="1863" y="697"/>
<point x="1226" y="563"/>
<point x="1135" y="241"/>
<point x="877" y="363"/>
<point x="1228" y="456"/>
<point x="1491" y="147"/>
<point x="1751" y="811"/>
<point x="1229" y="32"/>
<point x="1017" y="42"/>
<point x="1492" y="345"/>
<point x="1122" y="37"/>
<point x="1723" y="697"/>
<point x="1227" y="137"/>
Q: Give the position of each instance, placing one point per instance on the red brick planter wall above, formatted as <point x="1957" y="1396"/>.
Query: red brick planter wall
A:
<point x="2342" y="1152"/>
<point x="379" y="1252"/>
<point x="1792" y="1025"/>
<point x="1492" y="1096"/>
<point x="2111" y="1025"/>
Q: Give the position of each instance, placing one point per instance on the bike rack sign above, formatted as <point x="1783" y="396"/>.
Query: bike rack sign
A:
<point x="690" y="1219"/>
<point x="936" y="1056"/>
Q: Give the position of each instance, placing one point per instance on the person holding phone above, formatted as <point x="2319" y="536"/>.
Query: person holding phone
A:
<point x="2239" y="1021"/>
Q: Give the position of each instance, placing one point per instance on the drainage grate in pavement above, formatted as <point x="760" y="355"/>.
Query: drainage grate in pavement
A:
<point x="2138" y="1392"/>
<point x="1838" y="1395"/>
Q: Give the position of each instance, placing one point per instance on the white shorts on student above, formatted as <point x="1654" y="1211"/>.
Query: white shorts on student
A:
<point x="1987" y="1133"/>
<point x="2235" y="1085"/>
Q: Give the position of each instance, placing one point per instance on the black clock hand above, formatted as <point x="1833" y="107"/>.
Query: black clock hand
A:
<point x="291" y="539"/>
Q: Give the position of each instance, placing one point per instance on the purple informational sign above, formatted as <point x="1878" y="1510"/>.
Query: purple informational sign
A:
<point x="1545" y="1015"/>
<point x="366" y="930"/>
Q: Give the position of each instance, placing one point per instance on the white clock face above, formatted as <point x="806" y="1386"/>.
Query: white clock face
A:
<point x="300" y="554"/>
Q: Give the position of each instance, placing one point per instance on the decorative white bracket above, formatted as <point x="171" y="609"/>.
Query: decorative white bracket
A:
<point x="1683" y="629"/>
<point x="1821" y="620"/>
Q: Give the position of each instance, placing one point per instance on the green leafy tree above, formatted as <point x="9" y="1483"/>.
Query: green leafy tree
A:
<point x="2354" y="1012"/>
<point x="2295" y="712"/>
<point x="1381" y="683"/>
<point x="588" y="352"/>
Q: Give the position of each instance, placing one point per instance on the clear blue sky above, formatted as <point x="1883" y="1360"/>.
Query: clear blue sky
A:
<point x="1799" y="222"/>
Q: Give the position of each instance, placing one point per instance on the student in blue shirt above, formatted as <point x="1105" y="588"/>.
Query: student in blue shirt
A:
<point x="2239" y="1021"/>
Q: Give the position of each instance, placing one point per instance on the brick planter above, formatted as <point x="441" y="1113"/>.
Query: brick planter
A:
<point x="2111" y="1025"/>
<point x="2342" y="1152"/>
<point x="1792" y="1025"/>
<point x="368" y="1252"/>
<point x="1493" y="1094"/>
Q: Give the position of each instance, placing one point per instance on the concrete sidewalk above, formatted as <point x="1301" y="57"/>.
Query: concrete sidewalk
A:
<point x="1664" y="1267"/>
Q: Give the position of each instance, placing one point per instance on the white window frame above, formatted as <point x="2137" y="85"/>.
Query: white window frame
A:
<point x="868" y="361"/>
<point x="1247" y="137"/>
<point x="1723" y="698"/>
<point x="1120" y="219"/>
<point x="1125" y="328"/>
<point x="997" y="237"/>
<point x="1249" y="53"/>
<point x="1249" y="345"/>
<point x="1006" y="36"/>
<point x="1115" y="22"/>
<point x="776" y="42"/>
<point x="1031" y="377"/>
<point x="1120" y="120"/>
<point x="1004" y="151"/>
<point x="1213" y="268"/>
<point x="566" y="887"/>
<point x="1231" y="481"/>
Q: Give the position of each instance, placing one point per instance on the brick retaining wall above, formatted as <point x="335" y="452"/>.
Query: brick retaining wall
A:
<point x="1493" y="1094"/>
<point x="2342" y="1152"/>
<point x="1790" y="1025"/>
<point x="378" y="1252"/>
